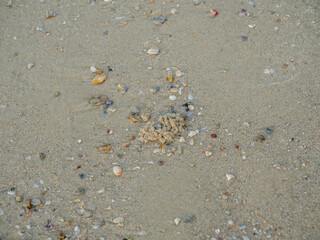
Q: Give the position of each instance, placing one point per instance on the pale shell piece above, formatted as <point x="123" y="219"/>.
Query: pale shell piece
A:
<point x="208" y="153"/>
<point x="117" y="170"/>
<point x="229" y="177"/>
<point x="173" y="98"/>
<point x="251" y="26"/>
<point x="179" y="73"/>
<point x="99" y="79"/>
<point x="93" y="69"/>
<point x="177" y="221"/>
<point x="174" y="11"/>
<point x="153" y="51"/>
<point x="118" y="220"/>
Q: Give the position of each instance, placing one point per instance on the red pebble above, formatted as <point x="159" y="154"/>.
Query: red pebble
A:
<point x="214" y="12"/>
<point x="78" y="166"/>
<point x="160" y="163"/>
<point x="237" y="146"/>
<point x="108" y="131"/>
<point x="213" y="135"/>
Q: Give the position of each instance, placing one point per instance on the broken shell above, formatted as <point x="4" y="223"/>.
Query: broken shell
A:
<point x="99" y="79"/>
<point x="50" y="14"/>
<point x="93" y="69"/>
<point x="173" y="98"/>
<point x="105" y="148"/>
<point x="170" y="76"/>
<point x="229" y="177"/>
<point x="153" y="51"/>
<point x="177" y="221"/>
<point x="117" y="170"/>
<point x="118" y="220"/>
<point x="133" y="119"/>
<point x="145" y="117"/>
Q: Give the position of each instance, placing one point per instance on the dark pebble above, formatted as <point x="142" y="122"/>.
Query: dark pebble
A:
<point x="161" y="19"/>
<point x="269" y="130"/>
<point x="42" y="156"/>
<point x="160" y="163"/>
<point x="244" y="38"/>
<point x="82" y="175"/>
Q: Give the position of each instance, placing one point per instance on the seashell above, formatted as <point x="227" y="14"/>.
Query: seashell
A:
<point x="99" y="79"/>
<point x="105" y="148"/>
<point x="118" y="220"/>
<point x="153" y="51"/>
<point x="133" y="119"/>
<point x="229" y="177"/>
<point x="117" y="170"/>
<point x="50" y="14"/>
<point x="173" y="98"/>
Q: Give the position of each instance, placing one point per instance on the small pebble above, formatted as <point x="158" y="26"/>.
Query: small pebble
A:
<point x="142" y="233"/>
<point x="244" y="38"/>
<point x="244" y="237"/>
<point x="268" y="71"/>
<point x="190" y="97"/>
<point x="135" y="109"/>
<point x="19" y="198"/>
<point x="174" y="11"/>
<point x="197" y="2"/>
<point x="118" y="220"/>
<point x="35" y="201"/>
<point x="93" y="69"/>
<point x="1" y="212"/>
<point x="153" y="51"/>
<point x="208" y="153"/>
<point x="161" y="19"/>
<point x="173" y="98"/>
<point x="242" y="226"/>
<point x="155" y="90"/>
<point x="269" y="130"/>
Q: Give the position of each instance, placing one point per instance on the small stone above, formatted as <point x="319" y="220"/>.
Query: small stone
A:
<point x="182" y="140"/>
<point x="188" y="219"/>
<point x="269" y="130"/>
<point x="242" y="226"/>
<point x="208" y="153"/>
<point x="118" y="220"/>
<point x="135" y="109"/>
<point x="30" y="65"/>
<point x="93" y="69"/>
<point x="161" y="19"/>
<point x="244" y="38"/>
<point x="155" y="90"/>
<point x="192" y="134"/>
<point x="191" y="142"/>
<point x="80" y="191"/>
<point x="244" y="237"/>
<point x="145" y="117"/>
<point x="111" y="109"/>
<point x="229" y="177"/>
<point x="142" y="233"/>
<point x="109" y="208"/>
<point x="57" y="93"/>
<point x="251" y="26"/>
<point x="42" y="156"/>
<point x="177" y="221"/>
<point x="268" y="71"/>
<point x="197" y="2"/>
<point x="1" y="212"/>
<point x="19" y="198"/>
<point x="153" y="51"/>
<point x="247" y="124"/>
<point x="28" y="158"/>
<point x="260" y="138"/>
<point x="35" y="202"/>
<point x="190" y="97"/>
<point x="174" y="11"/>
<point x="117" y="170"/>
<point x="173" y="98"/>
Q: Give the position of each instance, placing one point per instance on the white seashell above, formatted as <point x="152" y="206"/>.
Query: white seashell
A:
<point x="153" y="51"/>
<point x="251" y="25"/>
<point x="179" y="73"/>
<point x="174" y="11"/>
<point x="93" y="69"/>
<point x="173" y="98"/>
<point x="118" y="220"/>
<point x="117" y="170"/>
<point x="229" y="177"/>
<point x="177" y="221"/>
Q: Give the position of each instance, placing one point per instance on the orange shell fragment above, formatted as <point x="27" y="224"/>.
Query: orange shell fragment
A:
<point x="99" y="79"/>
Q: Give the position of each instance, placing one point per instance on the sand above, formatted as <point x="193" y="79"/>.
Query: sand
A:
<point x="244" y="79"/>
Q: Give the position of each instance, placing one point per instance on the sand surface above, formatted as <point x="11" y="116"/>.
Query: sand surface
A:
<point x="245" y="73"/>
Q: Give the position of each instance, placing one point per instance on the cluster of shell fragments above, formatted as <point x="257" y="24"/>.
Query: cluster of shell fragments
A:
<point x="164" y="131"/>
